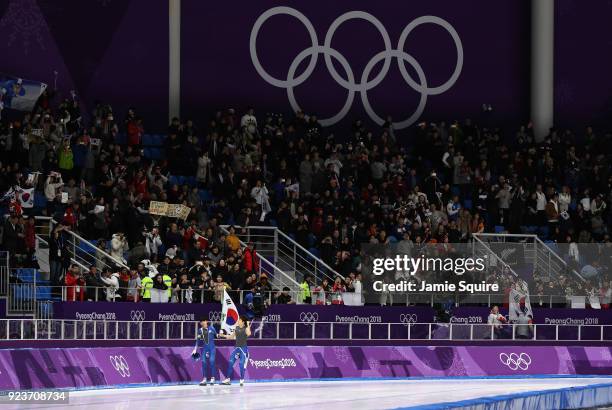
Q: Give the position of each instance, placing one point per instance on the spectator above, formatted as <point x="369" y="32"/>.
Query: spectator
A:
<point x="153" y="243"/>
<point x="159" y="284"/>
<point x="10" y="237"/>
<point x="203" y="285"/>
<point x="524" y="326"/>
<point x="66" y="160"/>
<point x="119" y="246"/>
<point x="110" y="280"/>
<point x="285" y="298"/>
<point x="146" y="284"/>
<point x="337" y="290"/>
<point x="93" y="284"/>
<point x="251" y="259"/>
<point x="232" y="241"/>
<point x="58" y="255"/>
<point x="218" y="287"/>
<point x="496" y="320"/>
<point x="75" y="290"/>
<point x="305" y="294"/>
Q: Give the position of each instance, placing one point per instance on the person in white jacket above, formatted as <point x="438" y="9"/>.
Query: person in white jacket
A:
<point x="204" y="165"/>
<point x="119" y="245"/>
<point x="565" y="198"/>
<point x="260" y="194"/>
<point x="111" y="280"/>
<point x="52" y="185"/>
<point x="152" y="244"/>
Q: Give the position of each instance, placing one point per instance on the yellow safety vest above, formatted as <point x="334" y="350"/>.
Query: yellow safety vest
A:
<point x="168" y="282"/>
<point x="147" y="284"/>
<point x="305" y="290"/>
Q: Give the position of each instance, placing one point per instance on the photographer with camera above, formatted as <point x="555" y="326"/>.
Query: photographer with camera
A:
<point x="119" y="246"/>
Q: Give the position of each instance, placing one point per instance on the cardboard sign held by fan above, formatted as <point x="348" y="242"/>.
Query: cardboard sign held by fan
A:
<point x="169" y="210"/>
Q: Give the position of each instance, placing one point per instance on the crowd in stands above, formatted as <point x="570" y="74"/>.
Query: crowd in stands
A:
<point x="331" y="190"/>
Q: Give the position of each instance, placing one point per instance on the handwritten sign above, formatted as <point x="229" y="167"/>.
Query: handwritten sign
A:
<point x="158" y="208"/>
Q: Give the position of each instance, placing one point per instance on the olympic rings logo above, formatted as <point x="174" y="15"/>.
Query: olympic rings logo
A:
<point x="365" y="83"/>
<point x="214" y="316"/>
<point x="515" y="361"/>
<point x="408" y="318"/>
<point x="120" y="364"/>
<point x="309" y="316"/>
<point x="138" y="315"/>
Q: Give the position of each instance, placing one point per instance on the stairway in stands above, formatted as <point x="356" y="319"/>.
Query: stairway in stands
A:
<point x="291" y="260"/>
<point x="527" y="253"/>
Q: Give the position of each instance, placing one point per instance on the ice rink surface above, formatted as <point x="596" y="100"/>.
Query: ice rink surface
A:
<point x="337" y="395"/>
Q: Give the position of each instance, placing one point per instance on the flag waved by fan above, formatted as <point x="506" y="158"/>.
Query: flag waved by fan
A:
<point x="229" y="314"/>
<point x="519" y="305"/>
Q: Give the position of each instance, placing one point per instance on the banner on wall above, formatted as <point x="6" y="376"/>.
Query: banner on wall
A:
<point x="24" y="369"/>
<point x="543" y="316"/>
<point x="19" y="94"/>
<point x="212" y="311"/>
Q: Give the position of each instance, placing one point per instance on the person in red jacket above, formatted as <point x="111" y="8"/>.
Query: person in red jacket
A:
<point x="134" y="131"/>
<point x="251" y="260"/>
<point x="30" y="235"/>
<point x="75" y="285"/>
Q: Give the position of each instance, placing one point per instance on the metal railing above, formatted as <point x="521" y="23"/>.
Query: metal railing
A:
<point x="192" y="295"/>
<point x="277" y="276"/>
<point x="59" y="329"/>
<point x="285" y="252"/>
<point x="294" y="256"/>
<point x="82" y="252"/>
<point x="196" y="295"/>
<point x="22" y="291"/>
<point x="481" y="249"/>
<point x="553" y="263"/>
<point x="535" y="252"/>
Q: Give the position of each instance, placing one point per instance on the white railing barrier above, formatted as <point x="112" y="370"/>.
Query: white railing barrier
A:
<point x="100" y="294"/>
<point x="56" y="329"/>
<point x="278" y="276"/>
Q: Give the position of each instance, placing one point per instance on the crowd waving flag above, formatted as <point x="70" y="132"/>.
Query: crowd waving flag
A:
<point x="519" y="303"/>
<point x="26" y="197"/>
<point x="229" y="313"/>
<point x="19" y="94"/>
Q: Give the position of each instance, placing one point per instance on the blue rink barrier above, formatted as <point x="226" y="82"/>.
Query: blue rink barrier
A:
<point x="578" y="397"/>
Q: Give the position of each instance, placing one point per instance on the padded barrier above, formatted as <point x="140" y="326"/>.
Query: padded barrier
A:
<point x="580" y="397"/>
<point x="82" y="367"/>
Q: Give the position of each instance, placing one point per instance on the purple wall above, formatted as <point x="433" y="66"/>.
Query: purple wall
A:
<point x="583" y="43"/>
<point x="217" y="70"/>
<point x="78" y="367"/>
<point x="118" y="51"/>
<point x="275" y="313"/>
<point x="544" y="316"/>
<point x="115" y="51"/>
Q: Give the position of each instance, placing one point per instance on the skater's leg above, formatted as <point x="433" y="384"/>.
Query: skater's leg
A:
<point x="212" y="363"/>
<point x="244" y="356"/>
<point x="203" y="364"/>
<point x="230" y="369"/>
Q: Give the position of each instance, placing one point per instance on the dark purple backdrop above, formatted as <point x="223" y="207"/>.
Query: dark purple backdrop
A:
<point x="583" y="43"/>
<point x="218" y="73"/>
<point x="118" y="51"/>
<point x="115" y="51"/>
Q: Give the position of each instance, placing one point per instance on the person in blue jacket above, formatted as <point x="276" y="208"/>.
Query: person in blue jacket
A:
<point x="241" y="350"/>
<point x="205" y="338"/>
